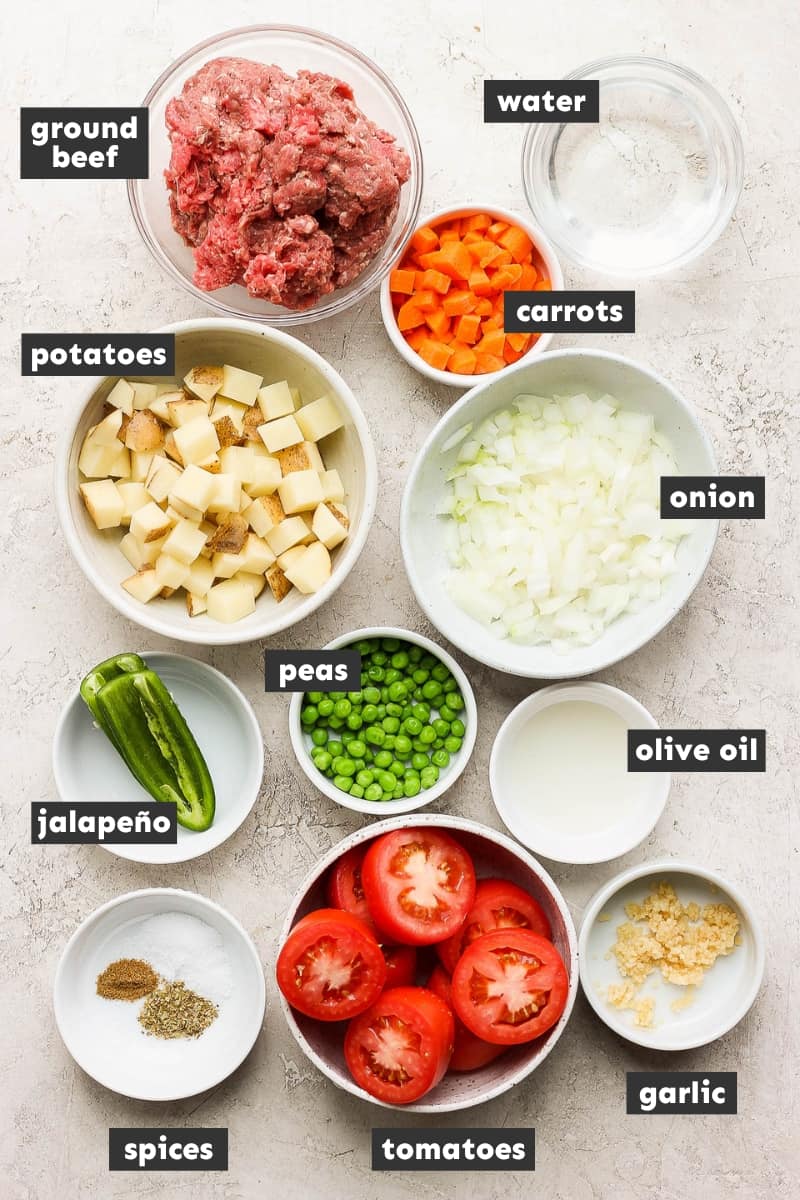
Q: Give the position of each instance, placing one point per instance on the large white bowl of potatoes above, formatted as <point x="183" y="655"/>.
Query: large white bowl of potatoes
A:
<point x="227" y="502"/>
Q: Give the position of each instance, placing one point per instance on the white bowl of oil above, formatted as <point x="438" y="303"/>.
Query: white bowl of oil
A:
<point x="559" y="774"/>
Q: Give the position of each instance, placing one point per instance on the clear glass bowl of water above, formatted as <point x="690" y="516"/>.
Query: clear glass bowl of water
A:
<point x="651" y="185"/>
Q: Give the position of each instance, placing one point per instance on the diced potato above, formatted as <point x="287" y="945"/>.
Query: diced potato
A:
<point x="227" y="432"/>
<point x="185" y="409"/>
<point x="140" y="465"/>
<point x="330" y="524"/>
<point x="256" y="554"/>
<point x="95" y="461"/>
<point x="143" y="395"/>
<point x="230" y="601"/>
<point x="185" y="542"/>
<point x="226" y="565"/>
<point x="161" y="478"/>
<point x="208" y="530"/>
<point x="107" y="432"/>
<point x="278" y="583"/>
<point x="171" y="448"/>
<point x="200" y="577"/>
<point x="308" y="518"/>
<point x="237" y="461"/>
<point x="229" y="408"/>
<point x="139" y="555"/>
<point x="277" y="435"/>
<point x="332" y="486"/>
<point x="253" y="420"/>
<point x="290" y="531"/>
<point x="148" y="524"/>
<point x="204" y="381"/>
<point x="241" y="386"/>
<point x="144" y="433"/>
<point x="230" y="536"/>
<point x="256" y="582"/>
<point x="181" y="511"/>
<point x="265" y="476"/>
<point x="227" y="494"/>
<point x="319" y="418"/>
<point x="305" y="457"/>
<point x="290" y="556"/>
<point x="160" y="406"/>
<point x="300" y="491"/>
<point x="121" y="396"/>
<point x="196" y="440"/>
<point x="276" y="400"/>
<point x="211" y="464"/>
<point x="195" y="605"/>
<point x="195" y="487"/>
<point x="264" y="514"/>
<point x="104" y="503"/>
<point x="311" y="570"/>
<point x="170" y="572"/>
<point x="121" y="466"/>
<point x="143" y="585"/>
<point x="134" y="497"/>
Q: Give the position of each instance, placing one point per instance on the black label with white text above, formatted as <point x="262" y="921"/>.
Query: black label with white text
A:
<point x="569" y="312"/>
<point x="534" y="100"/>
<point x="312" y="671"/>
<point x="713" y="496"/>
<point x="98" y="354"/>
<point x="167" y="1149"/>
<point x="83" y="143"/>
<point x="114" y="824"/>
<point x="688" y="1092"/>
<point x="453" y="1150"/>
<point x="697" y="749"/>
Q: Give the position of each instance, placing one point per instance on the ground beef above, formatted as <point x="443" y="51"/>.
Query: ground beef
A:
<point x="279" y="182"/>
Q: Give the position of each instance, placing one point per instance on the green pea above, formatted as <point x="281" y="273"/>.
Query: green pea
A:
<point x="360" y="764"/>
<point x="374" y="735"/>
<point x="336" y="695"/>
<point x="458" y="728"/>
<point x="420" y="761"/>
<point x="431" y="689"/>
<point x="309" y="714"/>
<point x="319" y="737"/>
<point x="389" y="741"/>
<point x="369" y="714"/>
<point x="315" y="697"/>
<point x="427" y="734"/>
<point x="354" y="721"/>
<point x="455" y="701"/>
<point x="372" y="695"/>
<point x="364" y="778"/>
<point x="402" y="745"/>
<point x="429" y="662"/>
<point x="364" y="648"/>
<point x="344" y="766"/>
<point x="411" y="787"/>
<point x="383" y="760"/>
<point x="397" y="691"/>
<point x="398" y="770"/>
<point x="440" y="672"/>
<point x="380" y="658"/>
<point x="450" y="685"/>
<point x="420" y="675"/>
<point x="390" y="644"/>
<point x="447" y="713"/>
<point x="323" y="760"/>
<point x="391" y="677"/>
<point x="429" y="776"/>
<point x="412" y="725"/>
<point x="415" y="653"/>
<point x="342" y="782"/>
<point x="394" y="710"/>
<point x="373" y="792"/>
<point x="440" y="758"/>
<point x="437" y="745"/>
<point x="410" y="773"/>
<point x="325" y="707"/>
<point x="375" y="673"/>
<point x="421" y="747"/>
<point x="343" y="708"/>
<point x="442" y="727"/>
<point x="400" y="660"/>
<point x="335" y="748"/>
<point x="398" y="792"/>
<point x="422" y="712"/>
<point x="452" y="745"/>
<point x="368" y="755"/>
<point x="354" y="697"/>
<point x="347" y="736"/>
<point x="387" y="781"/>
<point x="417" y="695"/>
<point x="390" y="724"/>
<point x="335" y="722"/>
<point x="381" y="712"/>
<point x="357" y="791"/>
<point x="356" y="748"/>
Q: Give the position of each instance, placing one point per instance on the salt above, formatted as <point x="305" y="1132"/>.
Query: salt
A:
<point x="178" y="946"/>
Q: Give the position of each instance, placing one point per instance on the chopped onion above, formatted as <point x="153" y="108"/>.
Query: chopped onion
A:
<point x="555" y="511"/>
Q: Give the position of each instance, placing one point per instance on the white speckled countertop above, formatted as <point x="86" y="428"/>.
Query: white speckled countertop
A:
<point x="723" y="331"/>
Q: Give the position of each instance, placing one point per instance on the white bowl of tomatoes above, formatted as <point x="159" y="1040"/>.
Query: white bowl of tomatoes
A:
<point x="385" y="954"/>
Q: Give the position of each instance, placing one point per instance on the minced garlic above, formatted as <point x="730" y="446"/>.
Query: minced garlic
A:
<point x="682" y="941"/>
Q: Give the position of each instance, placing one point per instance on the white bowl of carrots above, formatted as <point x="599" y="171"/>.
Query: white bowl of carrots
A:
<point x="442" y="304"/>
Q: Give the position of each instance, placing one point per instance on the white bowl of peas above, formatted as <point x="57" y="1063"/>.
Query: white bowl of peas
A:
<point x="399" y="742"/>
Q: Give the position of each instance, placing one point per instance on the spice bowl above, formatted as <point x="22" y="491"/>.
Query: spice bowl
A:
<point x="682" y="1019"/>
<point x="546" y="257"/>
<point x="302" y="743"/>
<point x="494" y="855"/>
<point x="87" y="768"/>
<point x="182" y="936"/>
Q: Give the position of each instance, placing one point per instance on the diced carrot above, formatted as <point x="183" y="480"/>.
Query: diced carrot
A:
<point x="505" y="278"/>
<point x="527" y="280"/>
<point x="484" y="307"/>
<point x="424" y="240"/>
<point x="469" y="239"/>
<point x="452" y="259"/>
<point x="495" y="229"/>
<point x="478" y="223"/>
<point x="493" y="322"/>
<point x="516" y="242"/>
<point x="462" y="361"/>
<point x="409" y="316"/>
<point x="415" y="337"/>
<point x="449" y="235"/>
<point x="544" y="285"/>
<point x="425" y="300"/>
<point x="402" y="281"/>
<point x="484" y="251"/>
<point x="488" y="363"/>
<point x="492" y="342"/>
<point x="518" y="341"/>
<point x="480" y="283"/>
<point x="435" y="354"/>
<point x="457" y="302"/>
<point x="438" y="322"/>
<point x="503" y="259"/>
<point x="511" y="355"/>
<point x="436" y="281"/>
<point x="468" y="328"/>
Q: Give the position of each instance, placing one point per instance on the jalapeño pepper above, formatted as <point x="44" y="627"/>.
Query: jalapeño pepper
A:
<point x="142" y="721"/>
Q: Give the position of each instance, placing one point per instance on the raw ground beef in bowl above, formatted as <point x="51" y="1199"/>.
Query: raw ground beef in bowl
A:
<point x="279" y="182"/>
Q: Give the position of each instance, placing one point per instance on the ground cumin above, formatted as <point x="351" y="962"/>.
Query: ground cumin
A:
<point x="127" y="979"/>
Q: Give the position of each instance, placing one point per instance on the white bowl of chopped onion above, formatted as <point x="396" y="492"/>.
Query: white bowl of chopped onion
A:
<point x="547" y="556"/>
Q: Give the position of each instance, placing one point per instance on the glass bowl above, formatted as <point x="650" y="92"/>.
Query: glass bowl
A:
<point x="651" y="185"/>
<point x="292" y="49"/>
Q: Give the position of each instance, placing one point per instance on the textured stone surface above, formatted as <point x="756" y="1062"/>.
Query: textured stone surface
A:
<point x="722" y="331"/>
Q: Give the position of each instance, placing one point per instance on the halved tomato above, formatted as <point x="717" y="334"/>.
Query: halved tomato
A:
<point x="345" y="889"/>
<point x="330" y="966"/>
<point x="510" y="986"/>
<point x="401" y="965"/>
<point x="399" y="1049"/>
<point x="419" y="885"/>
<point x="499" y="904"/>
<point x="470" y="1053"/>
